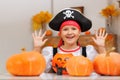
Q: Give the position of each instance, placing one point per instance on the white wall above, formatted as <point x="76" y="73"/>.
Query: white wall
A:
<point x="15" y="25"/>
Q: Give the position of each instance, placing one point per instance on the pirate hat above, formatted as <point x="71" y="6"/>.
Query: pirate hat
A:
<point x="70" y="14"/>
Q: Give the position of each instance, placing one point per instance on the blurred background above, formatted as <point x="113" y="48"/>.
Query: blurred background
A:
<point x="16" y="21"/>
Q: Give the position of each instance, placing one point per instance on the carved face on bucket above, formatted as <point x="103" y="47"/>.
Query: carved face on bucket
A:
<point x="59" y="62"/>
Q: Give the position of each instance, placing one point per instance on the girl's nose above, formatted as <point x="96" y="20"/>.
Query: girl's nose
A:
<point x="69" y="31"/>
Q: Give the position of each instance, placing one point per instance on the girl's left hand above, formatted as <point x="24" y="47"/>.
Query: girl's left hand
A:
<point x="100" y="37"/>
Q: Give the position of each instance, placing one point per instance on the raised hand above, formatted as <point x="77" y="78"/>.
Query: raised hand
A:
<point x="100" y="37"/>
<point x="38" y="39"/>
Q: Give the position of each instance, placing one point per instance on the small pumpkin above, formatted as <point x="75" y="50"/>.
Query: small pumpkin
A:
<point x="107" y="64"/>
<point x="87" y="33"/>
<point x="79" y="66"/>
<point x="30" y="63"/>
<point x="49" y="33"/>
<point x="59" y="62"/>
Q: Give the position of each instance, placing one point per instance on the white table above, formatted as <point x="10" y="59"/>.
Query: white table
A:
<point x="53" y="76"/>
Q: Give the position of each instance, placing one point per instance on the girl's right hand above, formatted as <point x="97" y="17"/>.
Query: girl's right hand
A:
<point x="38" y="39"/>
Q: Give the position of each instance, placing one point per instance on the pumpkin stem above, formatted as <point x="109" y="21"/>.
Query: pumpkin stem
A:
<point x="23" y="49"/>
<point x="110" y="50"/>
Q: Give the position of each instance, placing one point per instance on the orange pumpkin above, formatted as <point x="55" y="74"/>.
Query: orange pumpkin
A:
<point x="79" y="66"/>
<point x="107" y="64"/>
<point x="48" y="33"/>
<point x="59" y="63"/>
<point x="87" y="33"/>
<point x="26" y="64"/>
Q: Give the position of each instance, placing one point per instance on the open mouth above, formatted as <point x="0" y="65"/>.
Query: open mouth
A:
<point x="69" y="37"/>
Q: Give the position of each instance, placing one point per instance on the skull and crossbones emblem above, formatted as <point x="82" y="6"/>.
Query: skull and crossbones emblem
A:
<point x="68" y="14"/>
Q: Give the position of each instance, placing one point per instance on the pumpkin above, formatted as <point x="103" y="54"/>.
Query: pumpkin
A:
<point x="30" y="63"/>
<point x="49" y="33"/>
<point x="107" y="64"/>
<point x="87" y="33"/>
<point x="79" y="66"/>
<point x="59" y="63"/>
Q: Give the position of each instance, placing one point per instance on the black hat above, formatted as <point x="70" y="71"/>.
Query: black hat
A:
<point x="70" y="14"/>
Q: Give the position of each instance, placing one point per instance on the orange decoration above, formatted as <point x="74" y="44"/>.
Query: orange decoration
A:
<point x="48" y="33"/>
<point x="110" y="37"/>
<point x="49" y="44"/>
<point x="87" y="33"/>
<point x="79" y="66"/>
<point x="110" y="10"/>
<point x="107" y="64"/>
<point x="26" y="64"/>
<point x="59" y="62"/>
<point x="41" y="18"/>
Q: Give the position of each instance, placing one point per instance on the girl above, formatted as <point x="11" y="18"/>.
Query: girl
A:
<point x="70" y="23"/>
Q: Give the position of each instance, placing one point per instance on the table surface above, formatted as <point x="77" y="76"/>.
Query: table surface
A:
<point x="53" y="76"/>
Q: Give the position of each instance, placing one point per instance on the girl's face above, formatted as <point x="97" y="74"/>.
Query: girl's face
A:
<point x="70" y="34"/>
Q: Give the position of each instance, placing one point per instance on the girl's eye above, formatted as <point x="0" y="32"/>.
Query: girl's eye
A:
<point x="65" y="29"/>
<point x="74" y="28"/>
